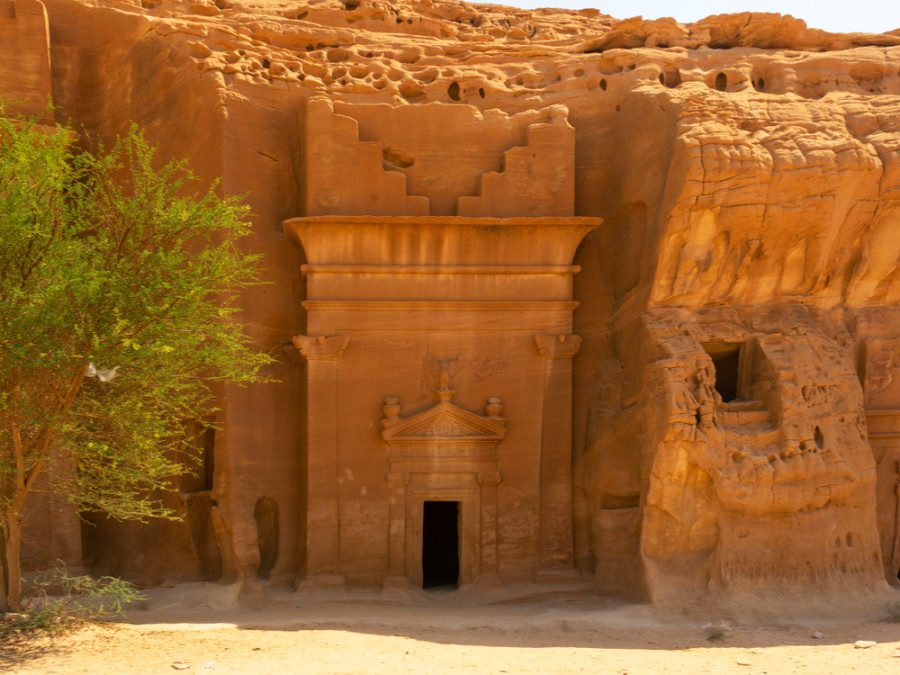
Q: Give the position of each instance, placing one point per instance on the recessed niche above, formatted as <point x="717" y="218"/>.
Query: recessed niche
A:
<point x="721" y="81"/>
<point x="265" y="513"/>
<point x="670" y="78"/>
<point x="726" y="358"/>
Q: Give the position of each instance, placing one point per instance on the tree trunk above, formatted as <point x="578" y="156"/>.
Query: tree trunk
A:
<point x="4" y="605"/>
<point x="13" y="561"/>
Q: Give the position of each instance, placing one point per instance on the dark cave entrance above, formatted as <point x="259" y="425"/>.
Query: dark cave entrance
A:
<point x="726" y="358"/>
<point x="440" y="544"/>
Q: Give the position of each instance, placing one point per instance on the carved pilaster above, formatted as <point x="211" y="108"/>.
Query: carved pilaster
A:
<point x="322" y="519"/>
<point x="488" y="481"/>
<point x="557" y="541"/>
<point x="397" y="482"/>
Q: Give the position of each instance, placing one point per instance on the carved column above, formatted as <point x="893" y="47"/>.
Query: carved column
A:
<point x="322" y="525"/>
<point x="488" y="481"/>
<point x="556" y="452"/>
<point x="397" y="482"/>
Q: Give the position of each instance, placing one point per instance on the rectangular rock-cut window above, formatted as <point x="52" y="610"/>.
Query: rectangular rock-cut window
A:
<point x="726" y="358"/>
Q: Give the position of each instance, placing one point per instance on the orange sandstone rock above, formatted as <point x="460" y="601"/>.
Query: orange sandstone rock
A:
<point x="562" y="294"/>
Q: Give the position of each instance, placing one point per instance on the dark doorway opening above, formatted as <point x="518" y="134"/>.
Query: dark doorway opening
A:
<point x="726" y="358"/>
<point x="440" y="544"/>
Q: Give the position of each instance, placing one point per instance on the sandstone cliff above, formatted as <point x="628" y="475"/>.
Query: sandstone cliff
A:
<point x="747" y="169"/>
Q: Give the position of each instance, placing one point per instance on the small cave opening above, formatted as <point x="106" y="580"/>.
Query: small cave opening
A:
<point x="670" y="78"/>
<point x="453" y="91"/>
<point x="440" y="544"/>
<point x="265" y="513"/>
<point x="819" y="438"/>
<point x="726" y="358"/>
<point x="721" y="81"/>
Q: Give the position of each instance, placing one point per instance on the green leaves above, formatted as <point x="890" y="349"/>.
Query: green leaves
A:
<point x="115" y="261"/>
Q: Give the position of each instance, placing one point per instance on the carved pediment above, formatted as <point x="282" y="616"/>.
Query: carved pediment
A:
<point x="445" y="421"/>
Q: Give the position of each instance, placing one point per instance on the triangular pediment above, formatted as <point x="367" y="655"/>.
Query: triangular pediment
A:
<point x="446" y="421"/>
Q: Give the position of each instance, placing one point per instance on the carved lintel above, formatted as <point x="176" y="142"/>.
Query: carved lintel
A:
<point x="321" y="347"/>
<point x="489" y="478"/>
<point x="557" y="346"/>
<point x="397" y="479"/>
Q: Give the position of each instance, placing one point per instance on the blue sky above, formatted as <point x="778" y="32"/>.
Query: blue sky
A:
<point x="875" y="16"/>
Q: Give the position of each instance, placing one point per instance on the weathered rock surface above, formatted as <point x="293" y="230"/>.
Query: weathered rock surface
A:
<point x="735" y="406"/>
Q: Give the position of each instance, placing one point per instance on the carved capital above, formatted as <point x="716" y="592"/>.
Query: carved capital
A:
<point x="391" y="411"/>
<point x="489" y="478"/>
<point x="557" y="346"/>
<point x="321" y="347"/>
<point x="397" y="479"/>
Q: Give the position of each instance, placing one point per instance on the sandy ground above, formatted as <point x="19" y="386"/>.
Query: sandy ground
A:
<point x="441" y="633"/>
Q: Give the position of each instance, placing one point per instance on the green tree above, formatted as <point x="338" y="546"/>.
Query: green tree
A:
<point x="118" y="284"/>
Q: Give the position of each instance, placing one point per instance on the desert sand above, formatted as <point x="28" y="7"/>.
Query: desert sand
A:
<point x="443" y="633"/>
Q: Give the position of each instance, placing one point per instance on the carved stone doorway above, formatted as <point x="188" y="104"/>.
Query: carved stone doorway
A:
<point x="440" y="544"/>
